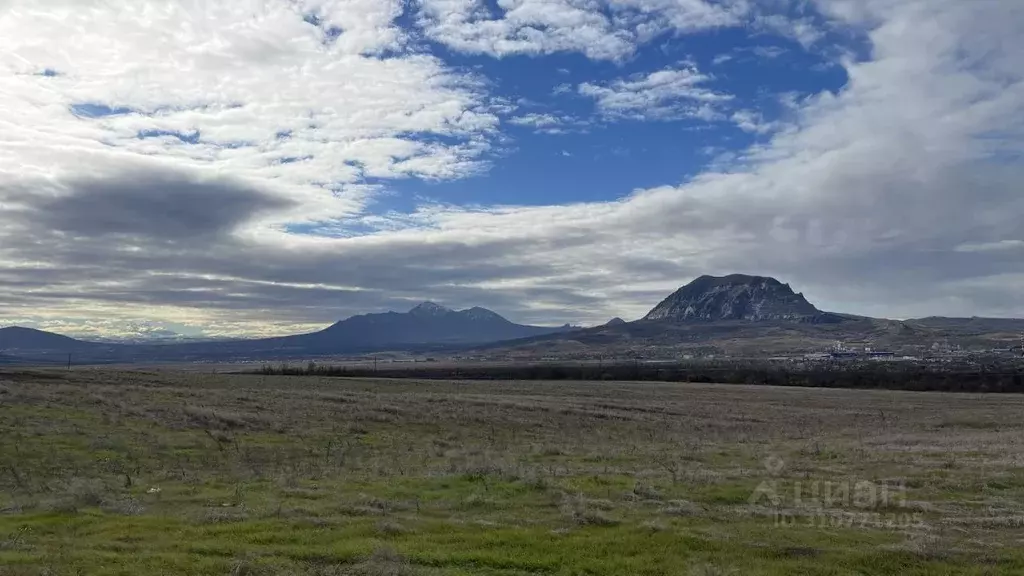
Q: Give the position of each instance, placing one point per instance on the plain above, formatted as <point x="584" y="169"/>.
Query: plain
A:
<point x="110" y="472"/>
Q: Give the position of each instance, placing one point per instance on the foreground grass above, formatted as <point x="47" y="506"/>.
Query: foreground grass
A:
<point x="132" y="473"/>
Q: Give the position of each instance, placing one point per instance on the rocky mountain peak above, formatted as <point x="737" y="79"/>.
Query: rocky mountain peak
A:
<point x="429" y="309"/>
<point x="478" y="313"/>
<point x="735" y="297"/>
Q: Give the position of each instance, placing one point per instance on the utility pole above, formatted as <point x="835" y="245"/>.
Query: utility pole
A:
<point x="69" y="361"/>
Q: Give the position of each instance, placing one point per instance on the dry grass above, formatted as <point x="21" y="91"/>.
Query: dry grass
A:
<point x="201" y="473"/>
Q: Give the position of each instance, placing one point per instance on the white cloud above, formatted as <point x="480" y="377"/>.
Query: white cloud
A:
<point x="654" y="17"/>
<point x="874" y="200"/>
<point x="754" y="122"/>
<point x="525" y="27"/>
<point x="768" y="52"/>
<point x="662" y="95"/>
<point x="601" y="29"/>
<point x="290" y="95"/>
<point x="997" y="246"/>
<point x="802" y="30"/>
<point x="563" y="88"/>
<point x="536" y="120"/>
<point x="545" y="123"/>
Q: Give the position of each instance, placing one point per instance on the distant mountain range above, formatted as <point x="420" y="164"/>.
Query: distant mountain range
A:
<point x="735" y="314"/>
<point x="427" y="326"/>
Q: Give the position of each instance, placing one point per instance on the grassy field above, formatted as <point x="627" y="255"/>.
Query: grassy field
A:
<point x="106" y="472"/>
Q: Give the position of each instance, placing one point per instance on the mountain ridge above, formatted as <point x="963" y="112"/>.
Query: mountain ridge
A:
<point x="428" y="323"/>
<point x="737" y="313"/>
<point x="13" y="338"/>
<point x="737" y="297"/>
<point x="426" y="326"/>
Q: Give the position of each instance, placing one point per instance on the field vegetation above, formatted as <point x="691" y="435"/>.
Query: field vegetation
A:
<point x="105" y="472"/>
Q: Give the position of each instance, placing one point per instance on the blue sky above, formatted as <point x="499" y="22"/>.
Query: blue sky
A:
<point x="593" y="158"/>
<point x="270" y="166"/>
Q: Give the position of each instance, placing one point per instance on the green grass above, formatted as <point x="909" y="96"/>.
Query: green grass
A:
<point x="104" y="472"/>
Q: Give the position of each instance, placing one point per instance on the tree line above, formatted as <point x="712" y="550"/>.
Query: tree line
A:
<point x="1006" y="377"/>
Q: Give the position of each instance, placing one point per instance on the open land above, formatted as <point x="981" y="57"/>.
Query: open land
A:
<point x="120" y="472"/>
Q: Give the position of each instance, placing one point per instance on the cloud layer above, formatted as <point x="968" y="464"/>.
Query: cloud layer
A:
<point x="156" y="162"/>
<point x="668" y="94"/>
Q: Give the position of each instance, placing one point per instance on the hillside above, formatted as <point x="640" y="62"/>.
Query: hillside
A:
<point x="737" y="297"/>
<point x="16" y="338"/>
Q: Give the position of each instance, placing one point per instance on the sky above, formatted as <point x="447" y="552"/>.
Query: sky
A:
<point x="263" y="167"/>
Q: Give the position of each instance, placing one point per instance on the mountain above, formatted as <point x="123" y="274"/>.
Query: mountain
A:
<point x="427" y="323"/>
<point x="427" y="326"/>
<point x="737" y="297"/>
<point x="28" y="345"/>
<point x="16" y="338"/>
<point x="744" y="315"/>
<point x="736" y="315"/>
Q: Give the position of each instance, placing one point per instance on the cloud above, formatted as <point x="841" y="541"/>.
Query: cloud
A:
<point x="768" y="52"/>
<point x="248" y="88"/>
<point x="990" y="246"/>
<point x="722" y="59"/>
<point x="155" y="204"/>
<point x="564" y="88"/>
<point x="652" y="18"/>
<point x="874" y="199"/>
<point x="525" y="27"/>
<point x="803" y="30"/>
<point x="548" y="123"/>
<point x="753" y="122"/>
<point x="668" y="94"/>
<point x="600" y="29"/>
<point x="121" y="330"/>
<point x="536" y="120"/>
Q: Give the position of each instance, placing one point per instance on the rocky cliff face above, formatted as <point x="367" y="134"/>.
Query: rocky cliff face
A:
<point x="737" y="297"/>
